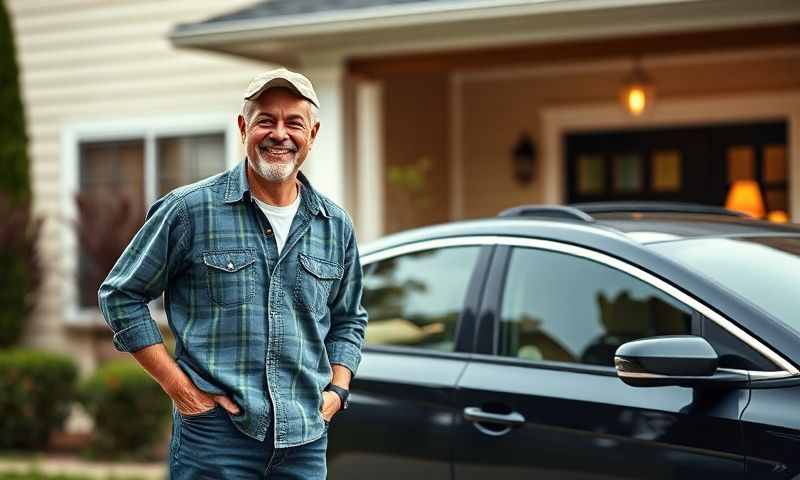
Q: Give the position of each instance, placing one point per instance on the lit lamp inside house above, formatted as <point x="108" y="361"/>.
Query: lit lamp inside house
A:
<point x="745" y="196"/>
<point x="778" y="216"/>
<point x="637" y="93"/>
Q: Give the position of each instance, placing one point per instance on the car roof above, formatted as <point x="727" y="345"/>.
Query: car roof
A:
<point x="648" y="227"/>
<point x="629" y="222"/>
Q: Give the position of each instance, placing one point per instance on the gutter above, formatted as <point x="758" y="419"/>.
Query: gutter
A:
<point x="382" y="17"/>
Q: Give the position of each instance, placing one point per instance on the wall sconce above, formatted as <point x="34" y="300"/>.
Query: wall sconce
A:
<point x="638" y="92"/>
<point x="745" y="196"/>
<point x="524" y="159"/>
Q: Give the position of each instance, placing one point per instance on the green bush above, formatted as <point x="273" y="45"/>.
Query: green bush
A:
<point x="129" y="409"/>
<point x="37" y="391"/>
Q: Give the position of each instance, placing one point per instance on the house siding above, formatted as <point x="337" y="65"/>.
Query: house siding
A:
<point x="97" y="61"/>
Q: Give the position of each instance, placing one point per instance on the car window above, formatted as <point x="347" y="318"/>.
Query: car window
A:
<point x="416" y="299"/>
<point x="763" y="270"/>
<point x="563" y="308"/>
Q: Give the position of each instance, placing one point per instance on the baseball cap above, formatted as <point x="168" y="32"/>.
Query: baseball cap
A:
<point x="281" y="77"/>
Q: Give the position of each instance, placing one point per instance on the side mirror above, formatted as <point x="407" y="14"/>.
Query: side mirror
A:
<point x="680" y="360"/>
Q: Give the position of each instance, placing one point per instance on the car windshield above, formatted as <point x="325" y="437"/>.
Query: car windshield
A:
<point x="764" y="270"/>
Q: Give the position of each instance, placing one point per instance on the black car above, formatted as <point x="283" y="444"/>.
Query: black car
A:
<point x="492" y="344"/>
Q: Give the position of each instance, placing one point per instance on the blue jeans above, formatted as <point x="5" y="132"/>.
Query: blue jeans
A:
<point x="209" y="446"/>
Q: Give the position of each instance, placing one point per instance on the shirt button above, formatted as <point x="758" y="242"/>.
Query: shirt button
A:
<point x="267" y="231"/>
<point x="230" y="265"/>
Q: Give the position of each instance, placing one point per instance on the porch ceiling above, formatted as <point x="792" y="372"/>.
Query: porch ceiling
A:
<point x="298" y="31"/>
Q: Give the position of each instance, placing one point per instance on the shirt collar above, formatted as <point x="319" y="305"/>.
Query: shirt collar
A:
<point x="238" y="187"/>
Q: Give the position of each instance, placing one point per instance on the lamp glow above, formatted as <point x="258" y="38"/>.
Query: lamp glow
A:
<point x="637" y="100"/>
<point x="778" y="216"/>
<point x="745" y="196"/>
<point x="637" y="92"/>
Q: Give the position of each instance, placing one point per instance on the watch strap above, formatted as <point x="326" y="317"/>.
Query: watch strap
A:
<point x="343" y="393"/>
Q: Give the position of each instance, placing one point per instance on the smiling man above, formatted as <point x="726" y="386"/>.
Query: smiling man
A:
<point x="262" y="288"/>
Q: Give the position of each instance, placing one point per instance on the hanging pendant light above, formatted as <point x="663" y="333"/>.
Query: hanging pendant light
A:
<point x="637" y="92"/>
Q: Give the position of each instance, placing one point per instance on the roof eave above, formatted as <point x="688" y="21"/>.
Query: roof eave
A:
<point x="299" y="26"/>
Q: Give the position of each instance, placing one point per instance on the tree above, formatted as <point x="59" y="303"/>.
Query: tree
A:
<point x="20" y="275"/>
<point x="15" y="180"/>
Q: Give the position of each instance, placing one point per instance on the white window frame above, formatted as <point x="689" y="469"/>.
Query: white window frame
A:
<point x="149" y="130"/>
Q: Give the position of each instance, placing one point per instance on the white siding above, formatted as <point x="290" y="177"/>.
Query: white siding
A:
<point x="95" y="61"/>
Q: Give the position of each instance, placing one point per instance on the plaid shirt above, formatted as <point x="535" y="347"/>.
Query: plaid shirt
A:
<point x="259" y="327"/>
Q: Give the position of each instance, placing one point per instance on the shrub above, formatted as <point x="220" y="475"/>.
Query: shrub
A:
<point x="37" y="391"/>
<point x="129" y="409"/>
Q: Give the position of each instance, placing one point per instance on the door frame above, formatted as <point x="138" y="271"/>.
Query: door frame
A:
<point x="667" y="113"/>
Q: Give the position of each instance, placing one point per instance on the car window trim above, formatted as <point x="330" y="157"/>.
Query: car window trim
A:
<point x="786" y="369"/>
<point x="417" y="352"/>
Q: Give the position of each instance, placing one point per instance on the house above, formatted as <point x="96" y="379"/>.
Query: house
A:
<point x="432" y="110"/>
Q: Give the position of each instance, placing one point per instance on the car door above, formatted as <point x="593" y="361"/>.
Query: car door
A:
<point x="422" y="300"/>
<point x="542" y="400"/>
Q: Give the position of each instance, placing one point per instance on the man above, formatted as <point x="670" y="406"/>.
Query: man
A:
<point x="262" y="289"/>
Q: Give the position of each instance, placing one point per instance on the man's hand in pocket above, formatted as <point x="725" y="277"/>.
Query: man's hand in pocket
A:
<point x="331" y="403"/>
<point x="190" y="400"/>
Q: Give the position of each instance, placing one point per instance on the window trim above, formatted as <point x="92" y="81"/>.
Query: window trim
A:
<point x="786" y="369"/>
<point x="148" y="129"/>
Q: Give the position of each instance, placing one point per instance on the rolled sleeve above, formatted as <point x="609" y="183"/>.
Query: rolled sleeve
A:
<point x="138" y="336"/>
<point x="343" y="353"/>
<point x="348" y="317"/>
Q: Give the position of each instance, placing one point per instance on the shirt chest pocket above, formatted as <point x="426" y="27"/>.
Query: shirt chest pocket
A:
<point x="231" y="276"/>
<point x="315" y="277"/>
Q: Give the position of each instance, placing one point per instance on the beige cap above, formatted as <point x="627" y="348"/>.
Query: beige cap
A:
<point x="281" y="77"/>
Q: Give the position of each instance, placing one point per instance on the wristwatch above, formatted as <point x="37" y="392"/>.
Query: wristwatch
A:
<point x="342" y="392"/>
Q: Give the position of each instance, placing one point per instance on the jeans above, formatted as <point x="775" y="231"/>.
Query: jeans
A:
<point x="209" y="446"/>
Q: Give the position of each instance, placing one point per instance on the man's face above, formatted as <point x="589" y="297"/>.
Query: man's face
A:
<point x="278" y="134"/>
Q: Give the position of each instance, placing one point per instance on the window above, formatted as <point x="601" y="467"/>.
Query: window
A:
<point x="183" y="160"/>
<point x="562" y="308"/>
<point x="116" y="185"/>
<point x="415" y="299"/>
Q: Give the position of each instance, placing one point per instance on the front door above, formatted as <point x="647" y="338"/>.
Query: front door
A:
<point x="697" y="164"/>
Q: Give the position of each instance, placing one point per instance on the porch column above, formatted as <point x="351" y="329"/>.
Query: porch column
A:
<point x="793" y="151"/>
<point x="325" y="166"/>
<point x="369" y="159"/>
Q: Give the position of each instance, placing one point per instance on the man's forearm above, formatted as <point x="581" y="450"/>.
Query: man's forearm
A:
<point x="341" y="376"/>
<point x="162" y="367"/>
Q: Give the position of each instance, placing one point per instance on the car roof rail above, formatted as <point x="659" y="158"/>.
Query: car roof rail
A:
<point x="559" y="212"/>
<point x="654" y="207"/>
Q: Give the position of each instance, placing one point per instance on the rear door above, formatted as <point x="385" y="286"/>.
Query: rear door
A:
<point x="422" y="300"/>
<point x="542" y="400"/>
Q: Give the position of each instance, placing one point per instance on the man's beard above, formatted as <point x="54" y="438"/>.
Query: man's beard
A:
<point x="275" y="171"/>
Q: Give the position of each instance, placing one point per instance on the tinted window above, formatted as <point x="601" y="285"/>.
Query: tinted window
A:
<point x="764" y="270"/>
<point x="416" y="299"/>
<point x="563" y="308"/>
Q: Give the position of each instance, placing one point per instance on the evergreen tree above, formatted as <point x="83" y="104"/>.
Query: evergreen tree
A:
<point x="18" y="233"/>
<point x="14" y="180"/>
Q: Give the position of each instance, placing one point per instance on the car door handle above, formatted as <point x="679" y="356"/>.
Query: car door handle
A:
<point x="476" y="414"/>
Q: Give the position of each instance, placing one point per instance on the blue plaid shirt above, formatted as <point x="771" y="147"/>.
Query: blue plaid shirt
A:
<point x="259" y="327"/>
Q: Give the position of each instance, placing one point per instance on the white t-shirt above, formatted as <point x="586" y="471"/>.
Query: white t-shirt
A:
<point x="280" y="218"/>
